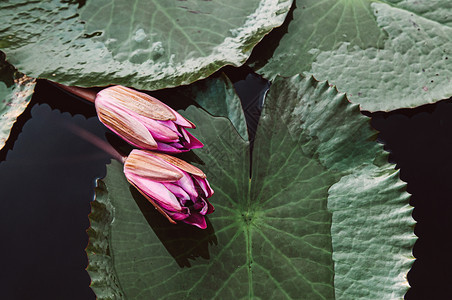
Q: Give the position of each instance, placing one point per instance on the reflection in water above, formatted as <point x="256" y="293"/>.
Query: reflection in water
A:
<point x="46" y="182"/>
<point x="182" y="241"/>
<point x="121" y="146"/>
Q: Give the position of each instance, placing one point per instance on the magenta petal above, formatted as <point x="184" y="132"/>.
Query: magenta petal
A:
<point x="185" y="134"/>
<point x="210" y="208"/>
<point x="170" y="124"/>
<point x="179" y="192"/>
<point x="194" y="142"/>
<point x="169" y="149"/>
<point x="197" y="220"/>
<point x="201" y="206"/>
<point x="132" y="122"/>
<point x="180" y="120"/>
<point x="157" y="191"/>
<point x="187" y="184"/>
<point x="204" y="184"/>
<point x="185" y="213"/>
<point x="159" y="131"/>
<point x="176" y="145"/>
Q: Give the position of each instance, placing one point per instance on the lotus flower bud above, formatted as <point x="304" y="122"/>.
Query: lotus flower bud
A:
<point x="144" y="121"/>
<point x="177" y="189"/>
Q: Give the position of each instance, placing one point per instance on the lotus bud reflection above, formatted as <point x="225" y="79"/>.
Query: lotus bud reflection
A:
<point x="177" y="189"/>
<point x="144" y="121"/>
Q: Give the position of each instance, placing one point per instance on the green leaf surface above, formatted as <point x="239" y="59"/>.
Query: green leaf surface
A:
<point x="435" y="10"/>
<point x="15" y="94"/>
<point x="218" y="97"/>
<point x="323" y="216"/>
<point x="145" y="44"/>
<point x="383" y="55"/>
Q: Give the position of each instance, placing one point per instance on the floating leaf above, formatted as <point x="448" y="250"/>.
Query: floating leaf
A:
<point x="145" y="44"/>
<point x="217" y="96"/>
<point x="15" y="94"/>
<point x="384" y="57"/>
<point x="324" y="215"/>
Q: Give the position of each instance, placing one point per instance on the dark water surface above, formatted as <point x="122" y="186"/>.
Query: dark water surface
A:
<point x="47" y="179"/>
<point x="47" y="182"/>
<point x="420" y="143"/>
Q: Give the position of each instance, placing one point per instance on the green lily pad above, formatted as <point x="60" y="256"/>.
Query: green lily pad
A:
<point x="385" y="56"/>
<point x="435" y="10"/>
<point x="323" y="215"/>
<point x="145" y="44"/>
<point x="207" y="93"/>
<point x="15" y="94"/>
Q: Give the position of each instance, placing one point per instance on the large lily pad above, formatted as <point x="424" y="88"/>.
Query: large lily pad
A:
<point x="15" y="94"/>
<point x="145" y="44"/>
<point x="323" y="216"/>
<point x="383" y="55"/>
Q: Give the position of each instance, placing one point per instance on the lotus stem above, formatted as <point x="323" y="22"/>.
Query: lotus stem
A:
<point x="84" y="93"/>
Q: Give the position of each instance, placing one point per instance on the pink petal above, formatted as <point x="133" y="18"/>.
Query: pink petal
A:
<point x="180" y="120"/>
<point x="194" y="142"/>
<point x="104" y="98"/>
<point x="187" y="184"/>
<point x="169" y="149"/>
<point x="170" y="124"/>
<point x="210" y="208"/>
<point x="180" y="164"/>
<point x="180" y="215"/>
<point x="179" y="192"/>
<point x="150" y="166"/>
<point x="201" y="206"/>
<point x="124" y="124"/>
<point x="157" y="191"/>
<point x="185" y="134"/>
<point x="197" y="220"/>
<point x="138" y="102"/>
<point x="177" y="145"/>
<point x="159" y="131"/>
<point x="204" y="184"/>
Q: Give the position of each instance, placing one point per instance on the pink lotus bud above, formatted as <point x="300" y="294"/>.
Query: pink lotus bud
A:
<point x="177" y="189"/>
<point x="144" y="121"/>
